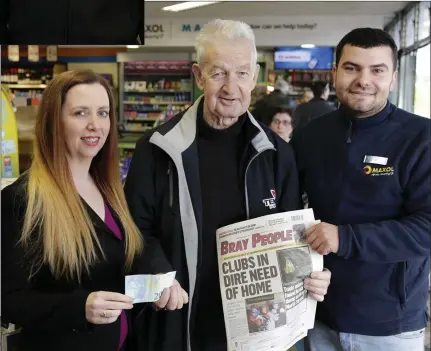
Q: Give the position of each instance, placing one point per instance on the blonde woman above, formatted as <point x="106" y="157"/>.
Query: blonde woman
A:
<point x="67" y="236"/>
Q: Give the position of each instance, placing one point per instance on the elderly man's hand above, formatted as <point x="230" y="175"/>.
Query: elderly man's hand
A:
<point x="323" y="238"/>
<point x="317" y="284"/>
<point x="173" y="298"/>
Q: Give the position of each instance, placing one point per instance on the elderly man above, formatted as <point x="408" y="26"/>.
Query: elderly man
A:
<point x="206" y="168"/>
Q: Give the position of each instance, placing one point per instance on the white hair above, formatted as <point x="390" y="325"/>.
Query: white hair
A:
<point x="223" y="29"/>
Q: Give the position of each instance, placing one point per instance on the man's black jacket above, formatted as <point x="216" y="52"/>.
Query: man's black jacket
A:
<point x="75" y="22"/>
<point x="311" y="110"/>
<point x="164" y="197"/>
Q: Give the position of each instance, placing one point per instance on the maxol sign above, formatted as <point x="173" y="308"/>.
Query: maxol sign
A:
<point x="191" y="28"/>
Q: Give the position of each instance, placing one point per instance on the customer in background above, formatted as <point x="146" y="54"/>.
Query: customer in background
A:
<point x="185" y="181"/>
<point x="67" y="236"/>
<point x="95" y="22"/>
<point x="366" y="170"/>
<point x="277" y="98"/>
<point x="316" y="107"/>
<point x="281" y="122"/>
<point x="306" y="96"/>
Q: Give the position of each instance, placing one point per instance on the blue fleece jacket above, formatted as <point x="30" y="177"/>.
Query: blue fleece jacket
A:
<point x="371" y="177"/>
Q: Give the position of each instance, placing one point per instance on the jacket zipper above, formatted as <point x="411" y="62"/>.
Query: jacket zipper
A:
<point x="349" y="133"/>
<point x="247" y="205"/>
<point x="171" y="186"/>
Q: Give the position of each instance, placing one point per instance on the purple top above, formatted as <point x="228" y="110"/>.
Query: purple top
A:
<point x="110" y="222"/>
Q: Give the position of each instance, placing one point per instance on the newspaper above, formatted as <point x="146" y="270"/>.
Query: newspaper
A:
<point x="263" y="263"/>
<point x="147" y="287"/>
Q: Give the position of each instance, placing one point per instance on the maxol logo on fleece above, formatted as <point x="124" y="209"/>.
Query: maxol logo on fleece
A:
<point x="378" y="171"/>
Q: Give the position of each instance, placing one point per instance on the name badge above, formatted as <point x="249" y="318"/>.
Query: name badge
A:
<point x="376" y="160"/>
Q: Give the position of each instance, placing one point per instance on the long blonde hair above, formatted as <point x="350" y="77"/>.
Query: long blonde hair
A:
<point x="64" y="232"/>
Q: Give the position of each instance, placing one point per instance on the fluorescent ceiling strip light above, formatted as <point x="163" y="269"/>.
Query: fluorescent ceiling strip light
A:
<point x="183" y="6"/>
<point x="307" y="46"/>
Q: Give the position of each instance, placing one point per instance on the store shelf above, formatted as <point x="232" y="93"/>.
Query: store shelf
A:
<point x="157" y="103"/>
<point x="141" y="119"/>
<point x="300" y="93"/>
<point x="127" y="145"/>
<point x="161" y="73"/>
<point x="140" y="131"/>
<point x="26" y="86"/>
<point x="157" y="91"/>
<point x="151" y="93"/>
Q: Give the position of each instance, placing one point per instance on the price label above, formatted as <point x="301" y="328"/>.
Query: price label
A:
<point x="51" y="53"/>
<point x="13" y="53"/>
<point x="33" y="53"/>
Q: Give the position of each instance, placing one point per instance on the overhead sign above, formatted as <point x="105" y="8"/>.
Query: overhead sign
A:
<point x="302" y="58"/>
<point x="269" y="31"/>
<point x="191" y="27"/>
<point x="158" y="31"/>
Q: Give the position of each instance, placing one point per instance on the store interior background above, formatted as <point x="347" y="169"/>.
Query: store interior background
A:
<point x="154" y="82"/>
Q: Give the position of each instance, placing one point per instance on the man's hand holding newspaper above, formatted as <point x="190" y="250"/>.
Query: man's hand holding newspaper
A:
<point x="323" y="238"/>
<point x="317" y="284"/>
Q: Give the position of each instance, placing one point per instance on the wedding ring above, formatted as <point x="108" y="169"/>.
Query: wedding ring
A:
<point x="104" y="314"/>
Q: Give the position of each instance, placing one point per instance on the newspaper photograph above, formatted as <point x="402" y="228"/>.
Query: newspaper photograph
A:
<point x="263" y="263"/>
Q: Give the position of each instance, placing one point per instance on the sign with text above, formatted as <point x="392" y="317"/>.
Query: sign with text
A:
<point x="301" y="58"/>
<point x="158" y="31"/>
<point x="269" y="31"/>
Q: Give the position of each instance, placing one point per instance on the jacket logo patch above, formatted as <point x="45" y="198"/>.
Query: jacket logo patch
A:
<point x="378" y="171"/>
<point x="270" y="202"/>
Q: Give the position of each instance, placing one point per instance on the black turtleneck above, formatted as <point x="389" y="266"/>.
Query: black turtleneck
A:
<point x="219" y="153"/>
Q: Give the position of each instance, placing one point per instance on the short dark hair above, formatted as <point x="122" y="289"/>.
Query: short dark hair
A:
<point x="367" y="38"/>
<point x="318" y="88"/>
<point x="273" y="110"/>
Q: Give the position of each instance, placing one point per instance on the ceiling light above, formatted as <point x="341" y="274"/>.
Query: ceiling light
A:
<point x="188" y="5"/>
<point x="133" y="46"/>
<point x="307" y="46"/>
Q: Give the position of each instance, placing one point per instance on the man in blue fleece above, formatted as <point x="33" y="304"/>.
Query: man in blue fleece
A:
<point x="366" y="171"/>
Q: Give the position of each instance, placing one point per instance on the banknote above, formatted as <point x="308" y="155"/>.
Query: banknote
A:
<point x="147" y="287"/>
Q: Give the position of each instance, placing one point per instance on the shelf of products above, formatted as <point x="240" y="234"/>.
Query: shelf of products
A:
<point x="26" y="82"/>
<point x="125" y="159"/>
<point x="301" y="81"/>
<point x="23" y="78"/>
<point x="151" y="92"/>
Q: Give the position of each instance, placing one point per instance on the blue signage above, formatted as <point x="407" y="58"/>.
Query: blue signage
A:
<point x="318" y="58"/>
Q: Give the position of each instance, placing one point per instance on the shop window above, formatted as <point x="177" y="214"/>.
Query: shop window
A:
<point x="396" y="34"/>
<point x="424" y="20"/>
<point x="410" y="27"/>
<point x="422" y="85"/>
<point x="406" y="81"/>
